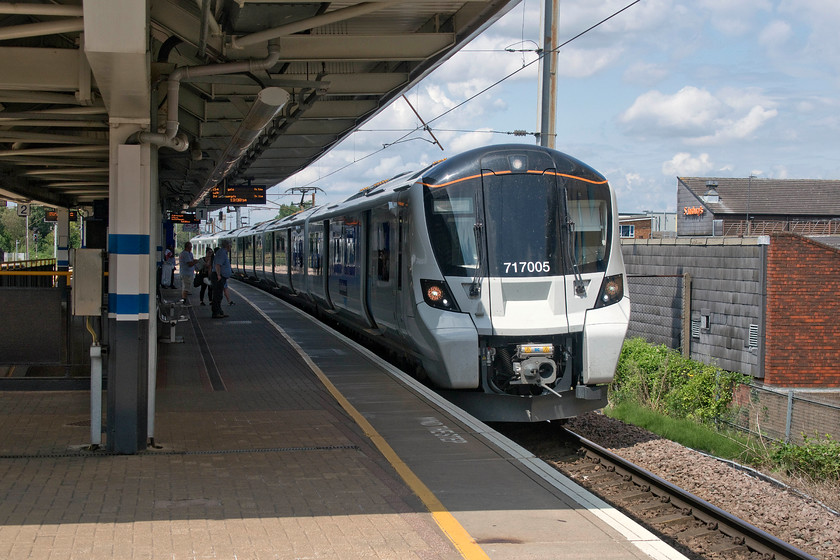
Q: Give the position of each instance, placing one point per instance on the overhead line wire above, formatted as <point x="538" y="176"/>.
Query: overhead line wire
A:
<point x="483" y="91"/>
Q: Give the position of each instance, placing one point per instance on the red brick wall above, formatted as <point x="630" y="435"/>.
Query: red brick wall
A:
<point x="802" y="338"/>
<point x="643" y="228"/>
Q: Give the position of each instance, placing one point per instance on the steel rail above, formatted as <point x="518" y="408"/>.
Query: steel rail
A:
<point x="749" y="535"/>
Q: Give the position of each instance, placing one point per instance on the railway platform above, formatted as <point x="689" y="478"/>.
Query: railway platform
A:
<point x="276" y="438"/>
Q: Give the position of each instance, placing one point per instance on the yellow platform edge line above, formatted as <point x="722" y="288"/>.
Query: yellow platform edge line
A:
<point x="456" y="533"/>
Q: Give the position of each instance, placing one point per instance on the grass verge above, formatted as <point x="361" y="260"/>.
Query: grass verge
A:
<point x="726" y="445"/>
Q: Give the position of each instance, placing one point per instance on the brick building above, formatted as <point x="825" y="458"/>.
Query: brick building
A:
<point x="765" y="306"/>
<point x="635" y="227"/>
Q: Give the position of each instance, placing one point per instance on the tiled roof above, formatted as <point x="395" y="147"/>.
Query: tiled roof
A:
<point x="791" y="197"/>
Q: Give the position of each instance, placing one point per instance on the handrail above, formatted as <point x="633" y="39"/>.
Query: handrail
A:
<point x="31" y="269"/>
<point x="67" y="273"/>
<point x="32" y="263"/>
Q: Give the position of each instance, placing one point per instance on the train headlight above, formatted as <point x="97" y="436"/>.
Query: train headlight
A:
<point x="436" y="294"/>
<point x="612" y="290"/>
<point x="518" y="163"/>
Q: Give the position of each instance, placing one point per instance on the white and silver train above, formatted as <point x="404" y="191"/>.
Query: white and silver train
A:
<point x="496" y="275"/>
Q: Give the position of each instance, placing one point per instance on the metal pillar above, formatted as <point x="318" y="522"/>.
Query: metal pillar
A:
<point x="548" y="74"/>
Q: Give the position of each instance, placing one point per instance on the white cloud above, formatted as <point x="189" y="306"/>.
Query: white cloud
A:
<point x="687" y="112"/>
<point x="684" y="164"/>
<point x="697" y="116"/>
<point x="737" y="129"/>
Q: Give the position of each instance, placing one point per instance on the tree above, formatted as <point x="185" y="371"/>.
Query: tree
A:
<point x="41" y="239"/>
<point x="12" y="228"/>
<point x="287" y="210"/>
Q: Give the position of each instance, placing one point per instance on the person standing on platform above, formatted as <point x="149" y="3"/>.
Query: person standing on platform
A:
<point x="187" y="261"/>
<point x="203" y="268"/>
<point x="221" y="272"/>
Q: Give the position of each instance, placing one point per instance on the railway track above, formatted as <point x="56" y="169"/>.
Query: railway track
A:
<point x="696" y="525"/>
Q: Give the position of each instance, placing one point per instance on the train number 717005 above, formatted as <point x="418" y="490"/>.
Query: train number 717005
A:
<point x="527" y="266"/>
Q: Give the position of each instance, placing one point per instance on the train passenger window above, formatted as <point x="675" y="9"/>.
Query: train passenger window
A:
<point x="350" y="247"/>
<point x="249" y="252"/>
<point x="316" y="254"/>
<point x="383" y="252"/>
<point x="280" y="248"/>
<point x="297" y="249"/>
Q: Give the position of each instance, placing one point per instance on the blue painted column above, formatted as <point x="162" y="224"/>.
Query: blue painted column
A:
<point x="130" y="258"/>
<point x="116" y="46"/>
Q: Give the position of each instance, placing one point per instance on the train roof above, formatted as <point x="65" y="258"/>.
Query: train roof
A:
<point x="466" y="164"/>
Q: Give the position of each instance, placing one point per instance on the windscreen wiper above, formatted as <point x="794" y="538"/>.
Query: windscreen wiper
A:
<point x="475" y="287"/>
<point x="580" y="286"/>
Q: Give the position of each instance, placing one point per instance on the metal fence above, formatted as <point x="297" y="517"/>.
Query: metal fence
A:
<point x="788" y="415"/>
<point x="39" y="273"/>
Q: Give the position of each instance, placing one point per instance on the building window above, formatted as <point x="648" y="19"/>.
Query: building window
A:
<point x="628" y="231"/>
<point x="717" y="228"/>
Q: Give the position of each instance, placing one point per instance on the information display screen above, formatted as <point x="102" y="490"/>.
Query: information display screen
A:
<point x="52" y="216"/>
<point x="183" y="218"/>
<point x="237" y="195"/>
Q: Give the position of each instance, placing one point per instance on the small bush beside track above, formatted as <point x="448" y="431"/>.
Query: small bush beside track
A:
<point x="684" y="400"/>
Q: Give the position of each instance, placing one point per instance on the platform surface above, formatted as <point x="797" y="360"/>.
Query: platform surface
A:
<point x="275" y="438"/>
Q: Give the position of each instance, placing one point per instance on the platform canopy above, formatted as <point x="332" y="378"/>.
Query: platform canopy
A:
<point x="232" y="90"/>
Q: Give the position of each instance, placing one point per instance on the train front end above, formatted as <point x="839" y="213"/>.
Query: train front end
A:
<point x="524" y="297"/>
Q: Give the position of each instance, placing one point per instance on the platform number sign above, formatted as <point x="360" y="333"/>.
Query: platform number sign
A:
<point x="23" y="210"/>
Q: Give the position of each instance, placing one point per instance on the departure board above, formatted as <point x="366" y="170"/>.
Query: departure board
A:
<point x="237" y="195"/>
<point x="52" y="216"/>
<point x="183" y="218"/>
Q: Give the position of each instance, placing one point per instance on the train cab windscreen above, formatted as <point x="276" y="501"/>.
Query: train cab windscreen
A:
<point x="527" y="225"/>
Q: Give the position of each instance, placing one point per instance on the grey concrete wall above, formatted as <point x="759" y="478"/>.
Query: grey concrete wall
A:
<point x="727" y="286"/>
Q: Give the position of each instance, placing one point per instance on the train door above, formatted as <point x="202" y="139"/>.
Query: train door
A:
<point x="258" y="255"/>
<point x="404" y="308"/>
<point x="297" y="263"/>
<point x="236" y="254"/>
<point x="342" y="262"/>
<point x="328" y="265"/>
<point x="347" y="272"/>
<point x="383" y="265"/>
<point x="315" y="260"/>
<point x="269" y="258"/>
<point x="281" y="263"/>
<point x="248" y="254"/>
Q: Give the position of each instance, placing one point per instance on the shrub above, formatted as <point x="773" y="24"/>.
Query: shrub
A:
<point x="665" y="381"/>
<point x="815" y="458"/>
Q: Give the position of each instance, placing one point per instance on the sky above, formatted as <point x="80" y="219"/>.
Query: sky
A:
<point x="666" y="88"/>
